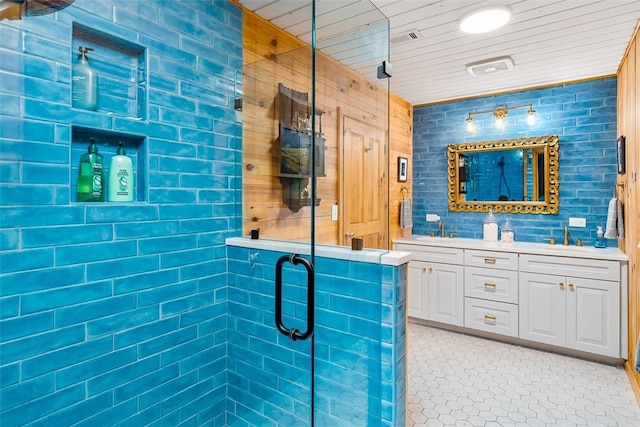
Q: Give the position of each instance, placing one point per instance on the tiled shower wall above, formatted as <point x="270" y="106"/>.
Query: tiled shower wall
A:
<point x="360" y="340"/>
<point x="116" y="313"/>
<point x="583" y="115"/>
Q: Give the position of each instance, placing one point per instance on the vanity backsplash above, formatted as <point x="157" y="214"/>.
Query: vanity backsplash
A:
<point x="583" y="115"/>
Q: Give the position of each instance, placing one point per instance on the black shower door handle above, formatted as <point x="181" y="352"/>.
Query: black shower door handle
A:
<point x="293" y="333"/>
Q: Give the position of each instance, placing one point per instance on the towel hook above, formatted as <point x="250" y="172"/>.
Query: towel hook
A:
<point x="404" y="190"/>
<point x="615" y="188"/>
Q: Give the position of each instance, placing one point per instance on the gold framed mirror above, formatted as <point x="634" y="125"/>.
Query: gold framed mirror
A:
<point x="517" y="175"/>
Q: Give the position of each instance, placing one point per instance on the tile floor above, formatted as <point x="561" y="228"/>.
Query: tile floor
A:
<point x="461" y="380"/>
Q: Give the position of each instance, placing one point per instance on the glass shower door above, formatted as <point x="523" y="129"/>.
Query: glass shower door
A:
<point x="314" y="113"/>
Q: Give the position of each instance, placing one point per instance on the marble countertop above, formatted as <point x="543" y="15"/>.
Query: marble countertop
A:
<point x="613" y="254"/>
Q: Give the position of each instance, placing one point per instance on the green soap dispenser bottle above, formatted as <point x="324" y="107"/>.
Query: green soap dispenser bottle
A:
<point x="84" y="83"/>
<point x="120" y="188"/>
<point x="91" y="175"/>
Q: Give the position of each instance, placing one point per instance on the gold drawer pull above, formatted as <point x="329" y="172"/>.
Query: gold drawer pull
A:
<point x="489" y="318"/>
<point x="489" y="260"/>
<point x="561" y="285"/>
<point x="571" y="287"/>
<point x="490" y="285"/>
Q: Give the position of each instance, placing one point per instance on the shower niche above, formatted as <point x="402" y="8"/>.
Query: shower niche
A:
<point x="296" y="142"/>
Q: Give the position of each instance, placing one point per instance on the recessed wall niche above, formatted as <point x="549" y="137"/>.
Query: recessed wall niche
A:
<point x="122" y="71"/>
<point x="107" y="143"/>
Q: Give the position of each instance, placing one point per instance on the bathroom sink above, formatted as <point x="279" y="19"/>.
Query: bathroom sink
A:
<point x="562" y="248"/>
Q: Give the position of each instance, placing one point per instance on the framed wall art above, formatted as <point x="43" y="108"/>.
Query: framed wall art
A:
<point x="403" y="167"/>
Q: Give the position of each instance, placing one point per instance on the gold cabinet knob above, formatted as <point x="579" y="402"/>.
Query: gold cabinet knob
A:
<point x="424" y="269"/>
<point x="430" y="270"/>
<point x="571" y="287"/>
<point x="561" y="285"/>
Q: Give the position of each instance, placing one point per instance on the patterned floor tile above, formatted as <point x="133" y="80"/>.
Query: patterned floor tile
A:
<point x="461" y="380"/>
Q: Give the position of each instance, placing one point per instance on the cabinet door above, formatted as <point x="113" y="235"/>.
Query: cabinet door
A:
<point x="446" y="294"/>
<point x="542" y="311"/>
<point x="417" y="289"/>
<point x="593" y="316"/>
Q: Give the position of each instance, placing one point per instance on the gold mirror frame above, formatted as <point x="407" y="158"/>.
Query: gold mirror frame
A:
<point x="547" y="144"/>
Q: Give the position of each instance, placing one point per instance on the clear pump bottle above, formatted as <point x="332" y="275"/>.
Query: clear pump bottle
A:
<point x="84" y="83"/>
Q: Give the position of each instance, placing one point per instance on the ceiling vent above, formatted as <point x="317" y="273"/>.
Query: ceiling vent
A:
<point x="489" y="66"/>
<point x="406" y="37"/>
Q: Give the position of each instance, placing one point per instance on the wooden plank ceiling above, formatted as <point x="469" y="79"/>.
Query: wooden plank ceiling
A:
<point x="550" y="41"/>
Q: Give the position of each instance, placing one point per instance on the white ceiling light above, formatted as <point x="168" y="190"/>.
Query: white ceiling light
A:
<point x="485" y="19"/>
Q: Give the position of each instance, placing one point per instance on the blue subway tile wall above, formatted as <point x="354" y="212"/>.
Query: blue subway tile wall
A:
<point x="582" y="114"/>
<point x="116" y="314"/>
<point x="359" y="343"/>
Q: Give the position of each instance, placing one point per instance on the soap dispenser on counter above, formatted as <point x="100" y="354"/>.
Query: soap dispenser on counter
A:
<point x="91" y="175"/>
<point x="84" y="83"/>
<point x="601" y="242"/>
<point x="490" y="228"/>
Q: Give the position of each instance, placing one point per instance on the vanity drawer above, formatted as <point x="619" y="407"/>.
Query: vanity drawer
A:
<point x="490" y="316"/>
<point x="501" y="260"/>
<point x="441" y="254"/>
<point x="575" y="267"/>
<point x="491" y="284"/>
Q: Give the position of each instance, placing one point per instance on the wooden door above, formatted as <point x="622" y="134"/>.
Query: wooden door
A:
<point x="364" y="182"/>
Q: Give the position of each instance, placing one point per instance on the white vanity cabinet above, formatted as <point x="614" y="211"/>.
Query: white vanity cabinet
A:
<point x="572" y="298"/>
<point x="571" y="302"/>
<point x="491" y="291"/>
<point x="435" y="284"/>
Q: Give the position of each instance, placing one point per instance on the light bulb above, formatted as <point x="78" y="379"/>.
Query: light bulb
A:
<point x="531" y="116"/>
<point x="499" y="123"/>
<point x="471" y="126"/>
<point x="531" y="119"/>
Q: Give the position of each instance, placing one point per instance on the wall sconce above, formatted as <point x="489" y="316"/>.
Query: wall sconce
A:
<point x="499" y="115"/>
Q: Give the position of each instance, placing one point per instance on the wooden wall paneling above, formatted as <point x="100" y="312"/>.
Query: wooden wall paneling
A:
<point x="272" y="56"/>
<point x="633" y="211"/>
<point x="400" y="145"/>
<point x="629" y="126"/>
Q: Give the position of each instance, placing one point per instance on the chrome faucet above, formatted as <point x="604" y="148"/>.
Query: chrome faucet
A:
<point x="441" y="225"/>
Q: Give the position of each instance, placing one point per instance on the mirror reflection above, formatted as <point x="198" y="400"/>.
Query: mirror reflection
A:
<point x="513" y="175"/>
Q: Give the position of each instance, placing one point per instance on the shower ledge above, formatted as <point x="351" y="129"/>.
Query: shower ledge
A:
<point x="374" y="256"/>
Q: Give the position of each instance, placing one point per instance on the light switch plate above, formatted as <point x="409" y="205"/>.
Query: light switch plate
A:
<point x="577" y="222"/>
<point x="433" y="218"/>
<point x="334" y="212"/>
